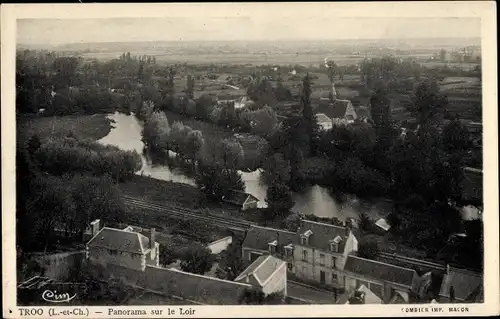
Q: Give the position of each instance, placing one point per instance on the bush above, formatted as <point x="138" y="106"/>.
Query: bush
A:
<point x="368" y="247"/>
<point x="71" y="155"/>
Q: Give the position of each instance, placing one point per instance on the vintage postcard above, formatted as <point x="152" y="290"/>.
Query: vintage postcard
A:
<point x="206" y="160"/>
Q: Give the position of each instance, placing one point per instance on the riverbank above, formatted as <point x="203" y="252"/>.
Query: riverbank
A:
<point x="92" y="127"/>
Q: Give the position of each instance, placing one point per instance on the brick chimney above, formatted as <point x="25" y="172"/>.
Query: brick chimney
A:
<point x="152" y="239"/>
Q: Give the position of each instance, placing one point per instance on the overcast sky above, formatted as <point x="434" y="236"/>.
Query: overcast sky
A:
<point x="270" y="27"/>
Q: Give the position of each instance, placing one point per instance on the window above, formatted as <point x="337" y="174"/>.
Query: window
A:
<point x="304" y="255"/>
<point x="334" y="262"/>
<point x="303" y="240"/>
<point x="334" y="277"/>
<point x="334" y="247"/>
<point x="290" y="266"/>
<point x="321" y="259"/>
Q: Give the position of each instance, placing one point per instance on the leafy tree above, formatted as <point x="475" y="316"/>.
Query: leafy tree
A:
<point x="365" y="222"/>
<point x="34" y="145"/>
<point x="197" y="259"/>
<point x="231" y="264"/>
<point x="216" y="183"/>
<point x="368" y="247"/>
<point x="427" y="102"/>
<point x="252" y="296"/>
<point x="193" y="144"/>
<point x="279" y="199"/>
<point x="232" y="153"/>
<point x="380" y="111"/>
<point x="310" y="121"/>
<point x="167" y="255"/>
<point x="190" y="86"/>
<point x="455" y="137"/>
<point x="156" y="130"/>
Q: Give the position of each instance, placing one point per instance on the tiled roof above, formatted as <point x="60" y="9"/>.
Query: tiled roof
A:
<point x="465" y="283"/>
<point x="336" y="109"/>
<point x="262" y="268"/>
<point x="237" y="197"/>
<point x="120" y="240"/>
<point x="259" y="237"/>
<point x="380" y="271"/>
<point x="322" y="234"/>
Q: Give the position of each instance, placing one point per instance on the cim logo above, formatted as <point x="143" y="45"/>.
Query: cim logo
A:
<point x="54" y="297"/>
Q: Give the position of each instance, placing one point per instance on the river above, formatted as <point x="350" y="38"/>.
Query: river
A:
<point x="317" y="200"/>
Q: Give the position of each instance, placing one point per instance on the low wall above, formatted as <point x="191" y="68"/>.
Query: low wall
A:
<point x="206" y="290"/>
<point x="58" y="266"/>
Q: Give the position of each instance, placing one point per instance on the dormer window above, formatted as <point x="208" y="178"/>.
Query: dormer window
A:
<point x="289" y="250"/>
<point x="304" y="238"/>
<point x="272" y="246"/>
<point x="334" y="244"/>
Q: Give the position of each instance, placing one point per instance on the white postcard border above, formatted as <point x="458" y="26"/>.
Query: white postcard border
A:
<point x="483" y="9"/>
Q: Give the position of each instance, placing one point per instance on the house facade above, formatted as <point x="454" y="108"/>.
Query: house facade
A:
<point x="321" y="252"/>
<point x="392" y="284"/>
<point x="267" y="273"/>
<point x="123" y="247"/>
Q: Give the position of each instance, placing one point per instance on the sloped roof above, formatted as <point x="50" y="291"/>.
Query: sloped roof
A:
<point x="465" y="284"/>
<point x="323" y="118"/>
<point x="382" y="223"/>
<point x="262" y="269"/>
<point x="238" y="197"/>
<point x="370" y="297"/>
<point x="258" y="237"/>
<point x="121" y="240"/>
<point x="334" y="109"/>
<point x="322" y="234"/>
<point x="380" y="271"/>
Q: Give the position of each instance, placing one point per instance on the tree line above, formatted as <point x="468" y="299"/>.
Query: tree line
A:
<point x="62" y="185"/>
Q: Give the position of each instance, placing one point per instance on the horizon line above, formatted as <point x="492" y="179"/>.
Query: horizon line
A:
<point x="259" y="40"/>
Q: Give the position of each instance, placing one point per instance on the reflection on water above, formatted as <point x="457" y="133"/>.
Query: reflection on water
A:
<point x="317" y="200"/>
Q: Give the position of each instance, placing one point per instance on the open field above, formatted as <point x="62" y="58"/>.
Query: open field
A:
<point x="236" y="58"/>
<point x="85" y="126"/>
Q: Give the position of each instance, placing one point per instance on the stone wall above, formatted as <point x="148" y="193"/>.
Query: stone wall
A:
<point x="203" y="289"/>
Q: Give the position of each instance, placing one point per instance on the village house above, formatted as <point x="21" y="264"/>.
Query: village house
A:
<point x="241" y="199"/>
<point x="392" y="284"/>
<point x="461" y="285"/>
<point x="123" y="247"/>
<point x="321" y="252"/>
<point x="340" y="111"/>
<point x="267" y="273"/>
<point x="316" y="252"/>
